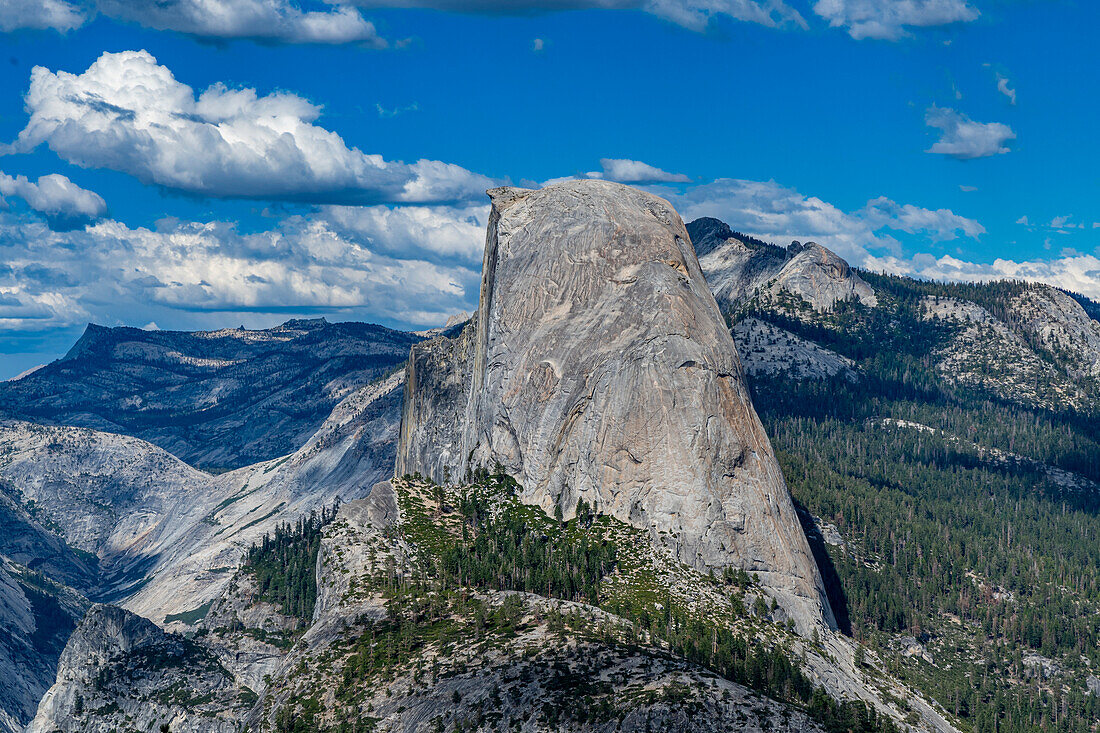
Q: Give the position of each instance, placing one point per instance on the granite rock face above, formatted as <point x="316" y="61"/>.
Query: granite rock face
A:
<point x="437" y="388"/>
<point x="121" y="520"/>
<point x="739" y="268"/>
<point x="768" y="350"/>
<point x="601" y="369"/>
<point x="120" y="671"/>
<point x="821" y="277"/>
<point x="1062" y="327"/>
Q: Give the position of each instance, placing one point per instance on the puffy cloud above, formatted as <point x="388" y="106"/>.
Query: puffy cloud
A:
<point x="1077" y="272"/>
<point x="1002" y="87"/>
<point x="128" y="113"/>
<point x="939" y="225"/>
<point x="888" y="19"/>
<point x="64" y="204"/>
<point x="774" y="212"/>
<point x="621" y="170"/>
<point x="58" y="15"/>
<point x="692" y="14"/>
<point x="964" y="139"/>
<point x="446" y="232"/>
<point x="635" y="171"/>
<point x="112" y="273"/>
<point x="279" y="21"/>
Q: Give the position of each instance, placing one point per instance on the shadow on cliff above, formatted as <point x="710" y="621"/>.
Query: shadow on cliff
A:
<point x="838" y="599"/>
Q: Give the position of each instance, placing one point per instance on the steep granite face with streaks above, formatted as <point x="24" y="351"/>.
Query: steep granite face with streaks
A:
<point x="601" y="369"/>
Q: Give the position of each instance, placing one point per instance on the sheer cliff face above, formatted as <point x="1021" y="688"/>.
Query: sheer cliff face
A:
<point x="599" y="367"/>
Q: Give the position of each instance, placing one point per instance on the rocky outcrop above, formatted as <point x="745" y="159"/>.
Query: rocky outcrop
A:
<point x="216" y="399"/>
<point x="740" y="268"/>
<point x="601" y="369"/>
<point x="768" y="350"/>
<point x="531" y="676"/>
<point x="735" y="267"/>
<point x="986" y="354"/>
<point x="438" y="380"/>
<point x="820" y="277"/>
<point x="249" y="635"/>
<point x="1061" y="327"/>
<point x="120" y="671"/>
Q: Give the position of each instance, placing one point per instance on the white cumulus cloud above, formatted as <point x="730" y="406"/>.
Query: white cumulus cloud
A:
<point x="1079" y="273"/>
<point x="269" y="21"/>
<point x="448" y="232"/>
<point x="635" y="171"/>
<point x="61" y="201"/>
<point x="780" y="214"/>
<point x="963" y="138"/>
<point x="938" y="224"/>
<point x="266" y="20"/>
<point x="889" y="19"/>
<point x="57" y="15"/>
<point x="111" y="273"/>
<point x="128" y="113"/>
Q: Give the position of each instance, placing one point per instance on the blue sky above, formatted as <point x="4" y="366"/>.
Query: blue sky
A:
<point x="209" y="163"/>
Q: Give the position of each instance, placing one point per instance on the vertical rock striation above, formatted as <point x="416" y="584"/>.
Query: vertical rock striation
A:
<point x="598" y="366"/>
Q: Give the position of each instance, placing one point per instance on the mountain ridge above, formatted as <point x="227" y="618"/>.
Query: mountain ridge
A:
<point x="219" y="399"/>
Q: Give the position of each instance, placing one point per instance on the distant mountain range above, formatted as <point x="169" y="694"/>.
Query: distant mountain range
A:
<point x="216" y="399"/>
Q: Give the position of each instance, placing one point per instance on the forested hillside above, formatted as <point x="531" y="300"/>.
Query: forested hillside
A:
<point x="963" y="525"/>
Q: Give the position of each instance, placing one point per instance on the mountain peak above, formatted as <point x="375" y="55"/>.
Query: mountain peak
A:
<point x="93" y="341"/>
<point x="598" y="368"/>
<point x="304" y="324"/>
<point x="739" y="268"/>
<point x="708" y="233"/>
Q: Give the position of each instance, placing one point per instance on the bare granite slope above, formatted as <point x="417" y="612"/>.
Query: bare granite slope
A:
<point x="132" y="524"/>
<point x="121" y="671"/>
<point x="767" y="349"/>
